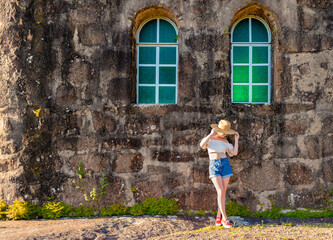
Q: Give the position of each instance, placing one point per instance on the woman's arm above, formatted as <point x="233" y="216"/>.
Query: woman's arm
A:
<point x="234" y="152"/>
<point x="204" y="141"/>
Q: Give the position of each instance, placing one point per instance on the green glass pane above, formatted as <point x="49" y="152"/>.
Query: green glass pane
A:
<point x="167" y="32"/>
<point x="240" y="54"/>
<point x="240" y="74"/>
<point x="240" y="93"/>
<point x="260" y="74"/>
<point x="167" y="95"/>
<point x="260" y="94"/>
<point x="148" y="32"/>
<point x="146" y="94"/>
<point x="259" y="31"/>
<point x="167" y="75"/>
<point x="147" y="55"/>
<point x="167" y="55"/>
<point x="259" y="54"/>
<point x="147" y="75"/>
<point x="241" y="31"/>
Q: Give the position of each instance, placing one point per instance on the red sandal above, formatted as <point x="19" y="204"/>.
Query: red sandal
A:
<point x="218" y="221"/>
<point x="226" y="224"/>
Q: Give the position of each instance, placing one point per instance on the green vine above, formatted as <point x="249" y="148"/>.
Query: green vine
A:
<point x="93" y="198"/>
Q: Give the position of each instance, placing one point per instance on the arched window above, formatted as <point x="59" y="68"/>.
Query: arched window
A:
<point x="250" y="61"/>
<point x="157" y="62"/>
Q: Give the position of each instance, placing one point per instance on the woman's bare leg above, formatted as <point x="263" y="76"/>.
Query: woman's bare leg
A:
<point x="221" y="185"/>
<point x="225" y="182"/>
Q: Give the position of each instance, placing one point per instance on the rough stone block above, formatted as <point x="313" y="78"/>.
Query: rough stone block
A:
<point x="309" y="21"/>
<point x="66" y="96"/>
<point x="304" y="69"/>
<point x="315" y="4"/>
<point x="290" y="41"/>
<point x="98" y="122"/>
<point x="116" y="61"/>
<point x="186" y="87"/>
<point x="119" y="89"/>
<point x="66" y="143"/>
<point x="91" y="162"/>
<point x="296" y="108"/>
<point x="92" y="35"/>
<point x="4" y="166"/>
<point x="79" y="73"/>
<point x="187" y="139"/>
<point x="201" y="174"/>
<point x="328" y="171"/>
<point x="197" y="199"/>
<point x="115" y="191"/>
<point x="157" y="169"/>
<point x="295" y="127"/>
<point x="313" y="198"/>
<point x="327" y="125"/>
<point x="129" y="162"/>
<point x="7" y="148"/>
<point x="298" y="174"/>
<point x="170" y="156"/>
<point x="84" y="143"/>
<point x="6" y="126"/>
<point x="327" y="146"/>
<point x="146" y="189"/>
<point x="287" y="148"/>
<point x="83" y="16"/>
<point x="122" y="143"/>
<point x="203" y="153"/>
<point x="101" y="121"/>
<point x="65" y="123"/>
<point x="155" y="141"/>
<point x="266" y="180"/>
<point x="180" y="121"/>
<point x="142" y="124"/>
<point x="172" y="180"/>
<point x="245" y="154"/>
<point x="234" y="178"/>
<point x="313" y="147"/>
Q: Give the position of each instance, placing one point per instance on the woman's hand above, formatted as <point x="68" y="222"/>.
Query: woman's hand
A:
<point x="213" y="132"/>
<point x="236" y="136"/>
<point x="205" y="140"/>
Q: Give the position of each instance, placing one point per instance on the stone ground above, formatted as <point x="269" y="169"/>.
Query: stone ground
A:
<point x="169" y="227"/>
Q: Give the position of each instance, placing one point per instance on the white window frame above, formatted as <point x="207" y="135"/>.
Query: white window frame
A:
<point x="157" y="65"/>
<point x="251" y="44"/>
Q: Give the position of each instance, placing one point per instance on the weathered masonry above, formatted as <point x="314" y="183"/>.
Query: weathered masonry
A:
<point x="128" y="88"/>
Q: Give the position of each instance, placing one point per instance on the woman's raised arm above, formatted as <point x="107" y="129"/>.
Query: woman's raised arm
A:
<point x="234" y="152"/>
<point x="204" y="141"/>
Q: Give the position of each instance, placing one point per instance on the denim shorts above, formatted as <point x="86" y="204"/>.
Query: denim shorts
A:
<point x="220" y="167"/>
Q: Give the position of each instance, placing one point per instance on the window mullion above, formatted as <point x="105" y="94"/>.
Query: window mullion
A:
<point x="157" y="32"/>
<point x="137" y="75"/>
<point x="250" y="74"/>
<point x="157" y="63"/>
<point x="250" y="29"/>
<point x="250" y="61"/>
<point x="269" y="74"/>
<point x="232" y="73"/>
<point x="176" y="80"/>
<point x="157" y="74"/>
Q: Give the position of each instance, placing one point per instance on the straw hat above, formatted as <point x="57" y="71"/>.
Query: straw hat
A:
<point x="223" y="127"/>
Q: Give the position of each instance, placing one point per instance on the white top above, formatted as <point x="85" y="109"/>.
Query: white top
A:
<point x="217" y="146"/>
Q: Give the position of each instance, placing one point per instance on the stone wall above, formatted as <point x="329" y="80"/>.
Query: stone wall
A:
<point x="75" y="60"/>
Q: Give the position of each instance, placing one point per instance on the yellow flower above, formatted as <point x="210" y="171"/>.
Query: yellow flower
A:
<point x="37" y="112"/>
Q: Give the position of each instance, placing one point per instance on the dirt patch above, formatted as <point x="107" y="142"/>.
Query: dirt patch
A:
<point x="168" y="227"/>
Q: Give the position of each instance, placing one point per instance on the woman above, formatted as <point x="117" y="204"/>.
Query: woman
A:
<point x="219" y="166"/>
